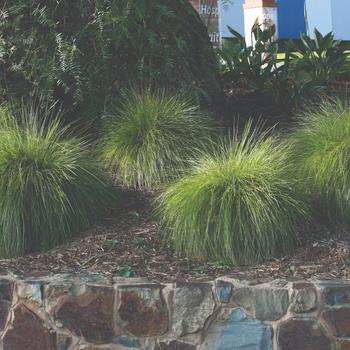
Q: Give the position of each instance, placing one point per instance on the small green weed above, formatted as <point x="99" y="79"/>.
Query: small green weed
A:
<point x="110" y="245"/>
<point x="125" y="271"/>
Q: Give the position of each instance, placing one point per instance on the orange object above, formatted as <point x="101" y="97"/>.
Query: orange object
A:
<point x="259" y="3"/>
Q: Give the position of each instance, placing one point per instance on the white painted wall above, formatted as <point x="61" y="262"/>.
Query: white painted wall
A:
<point x="265" y="15"/>
<point x="231" y="14"/>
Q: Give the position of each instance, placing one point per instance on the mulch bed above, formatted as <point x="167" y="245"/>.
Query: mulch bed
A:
<point x="128" y="244"/>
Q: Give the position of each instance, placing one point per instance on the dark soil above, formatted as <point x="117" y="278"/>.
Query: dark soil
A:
<point x="128" y="244"/>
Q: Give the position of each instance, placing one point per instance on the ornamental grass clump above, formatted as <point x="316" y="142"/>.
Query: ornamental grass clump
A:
<point x="237" y="205"/>
<point x="152" y="136"/>
<point x="321" y="155"/>
<point x="50" y="187"/>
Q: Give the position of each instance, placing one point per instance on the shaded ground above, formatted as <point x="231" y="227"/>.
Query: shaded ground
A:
<point x="128" y="244"/>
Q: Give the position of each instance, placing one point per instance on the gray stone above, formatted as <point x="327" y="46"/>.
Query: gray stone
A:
<point x="279" y="283"/>
<point x="55" y="290"/>
<point x="263" y="303"/>
<point x="64" y="342"/>
<point x="128" y="343"/>
<point x="132" y="281"/>
<point x="82" y="278"/>
<point x="30" y="291"/>
<point x="193" y="304"/>
<point x="238" y="332"/>
<point x="104" y="347"/>
<point x="304" y="297"/>
<point x="6" y="295"/>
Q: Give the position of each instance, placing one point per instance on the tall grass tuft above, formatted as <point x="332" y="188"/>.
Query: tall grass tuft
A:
<point x="238" y="204"/>
<point x="321" y="145"/>
<point x="152" y="136"/>
<point x="50" y="188"/>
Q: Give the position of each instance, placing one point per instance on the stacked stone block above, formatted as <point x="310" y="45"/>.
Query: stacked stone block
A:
<point x="92" y="312"/>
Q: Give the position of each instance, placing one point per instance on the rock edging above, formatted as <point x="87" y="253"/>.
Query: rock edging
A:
<point x="91" y="312"/>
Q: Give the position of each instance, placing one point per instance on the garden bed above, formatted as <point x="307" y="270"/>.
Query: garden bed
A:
<point x="128" y="244"/>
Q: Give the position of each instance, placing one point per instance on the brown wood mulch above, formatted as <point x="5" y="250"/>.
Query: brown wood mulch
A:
<point x="128" y="244"/>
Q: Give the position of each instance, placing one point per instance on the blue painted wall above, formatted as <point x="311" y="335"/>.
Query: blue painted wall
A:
<point x="291" y="19"/>
<point x="325" y="15"/>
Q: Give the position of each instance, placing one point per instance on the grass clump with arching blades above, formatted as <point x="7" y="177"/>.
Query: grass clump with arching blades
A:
<point x="152" y="136"/>
<point x="237" y="205"/>
<point x="50" y="187"/>
<point x="321" y="145"/>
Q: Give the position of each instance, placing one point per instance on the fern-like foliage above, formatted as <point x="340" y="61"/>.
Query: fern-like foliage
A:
<point x="82" y="52"/>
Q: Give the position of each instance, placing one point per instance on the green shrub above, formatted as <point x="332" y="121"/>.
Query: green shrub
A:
<point x="277" y="79"/>
<point x="82" y="52"/>
<point x="50" y="187"/>
<point x="238" y="204"/>
<point x="152" y="136"/>
<point x="321" y="156"/>
<point x="257" y="64"/>
<point x="322" y="59"/>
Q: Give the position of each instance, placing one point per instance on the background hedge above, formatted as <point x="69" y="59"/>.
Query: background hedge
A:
<point x="82" y="52"/>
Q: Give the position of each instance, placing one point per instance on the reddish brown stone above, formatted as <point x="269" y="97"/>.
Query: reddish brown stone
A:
<point x="89" y="314"/>
<point x="302" y="285"/>
<point x="175" y="345"/>
<point x="343" y="344"/>
<point x="195" y="4"/>
<point x="93" y="347"/>
<point x="27" y="332"/>
<point x="259" y="3"/>
<point x="143" y="311"/>
<point x="6" y="291"/>
<point x="302" y="334"/>
<point x="338" y="320"/>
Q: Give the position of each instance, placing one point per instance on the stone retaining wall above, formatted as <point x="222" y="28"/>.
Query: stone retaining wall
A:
<point x="93" y="313"/>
